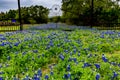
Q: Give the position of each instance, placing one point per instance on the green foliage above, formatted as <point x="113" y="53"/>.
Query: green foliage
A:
<point x="79" y="12"/>
<point x="33" y="14"/>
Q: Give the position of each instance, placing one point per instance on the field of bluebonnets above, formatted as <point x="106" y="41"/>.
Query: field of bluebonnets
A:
<point x="81" y="54"/>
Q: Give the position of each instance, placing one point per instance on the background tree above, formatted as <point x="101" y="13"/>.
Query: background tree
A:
<point x="79" y="12"/>
<point x="33" y="14"/>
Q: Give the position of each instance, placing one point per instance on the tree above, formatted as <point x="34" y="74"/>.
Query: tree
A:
<point x="79" y="12"/>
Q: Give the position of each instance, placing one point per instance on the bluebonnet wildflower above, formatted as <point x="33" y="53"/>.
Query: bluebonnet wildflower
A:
<point x="1" y="78"/>
<point x="39" y="72"/>
<point x="68" y="68"/>
<point x="97" y="66"/>
<point x="113" y="63"/>
<point x="46" y="77"/>
<point x="70" y="53"/>
<point x="74" y="51"/>
<point x="3" y="44"/>
<point x="69" y="75"/>
<point x="51" y="73"/>
<point x="115" y="74"/>
<point x="119" y="64"/>
<point x="26" y="78"/>
<point x="16" y="44"/>
<point x="1" y="73"/>
<point x="65" y="76"/>
<point x="3" y="38"/>
<point x="102" y="36"/>
<point x="86" y="65"/>
<point x="78" y="54"/>
<point x="89" y="55"/>
<point x="14" y="78"/>
<point x="61" y="57"/>
<point x="97" y="76"/>
<point x="74" y="59"/>
<point x="23" y="53"/>
<point x="35" y="51"/>
<point x="36" y="77"/>
<point x="104" y="58"/>
<point x="38" y="56"/>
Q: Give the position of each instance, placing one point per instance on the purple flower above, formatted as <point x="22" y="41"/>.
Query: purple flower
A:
<point x="97" y="66"/>
<point x="97" y="76"/>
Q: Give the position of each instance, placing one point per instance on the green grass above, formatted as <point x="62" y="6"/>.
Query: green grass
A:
<point x="14" y="28"/>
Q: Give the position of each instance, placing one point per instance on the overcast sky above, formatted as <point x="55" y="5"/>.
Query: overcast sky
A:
<point x="6" y="5"/>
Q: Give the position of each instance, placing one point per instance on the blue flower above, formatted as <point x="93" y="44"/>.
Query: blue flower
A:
<point x="75" y="59"/>
<point x="74" y="51"/>
<point x="36" y="77"/>
<point x="104" y="58"/>
<point x="61" y="57"/>
<point x="16" y="44"/>
<point x="102" y="36"/>
<point x="2" y="44"/>
<point x="1" y="78"/>
<point x="89" y="55"/>
<point x="68" y="67"/>
<point x="113" y="63"/>
<point x="39" y="72"/>
<point x="66" y="76"/>
<point x="97" y="66"/>
<point x="35" y="51"/>
<point x="119" y="64"/>
<point x="98" y="76"/>
<point x="69" y="75"/>
<point x="115" y="74"/>
<point x="46" y="76"/>
<point x="3" y="38"/>
<point x="78" y="54"/>
<point x="86" y="65"/>
<point x="51" y="73"/>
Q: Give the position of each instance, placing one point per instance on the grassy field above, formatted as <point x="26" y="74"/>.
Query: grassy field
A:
<point x="60" y="55"/>
<point x="14" y="28"/>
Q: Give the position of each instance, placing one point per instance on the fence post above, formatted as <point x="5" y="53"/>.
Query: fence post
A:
<point x="92" y="11"/>
<point x="21" y="27"/>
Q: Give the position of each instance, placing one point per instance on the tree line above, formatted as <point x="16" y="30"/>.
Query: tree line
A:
<point x="30" y="15"/>
<point x="79" y="12"/>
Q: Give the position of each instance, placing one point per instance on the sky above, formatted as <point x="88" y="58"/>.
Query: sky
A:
<point x="6" y="5"/>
